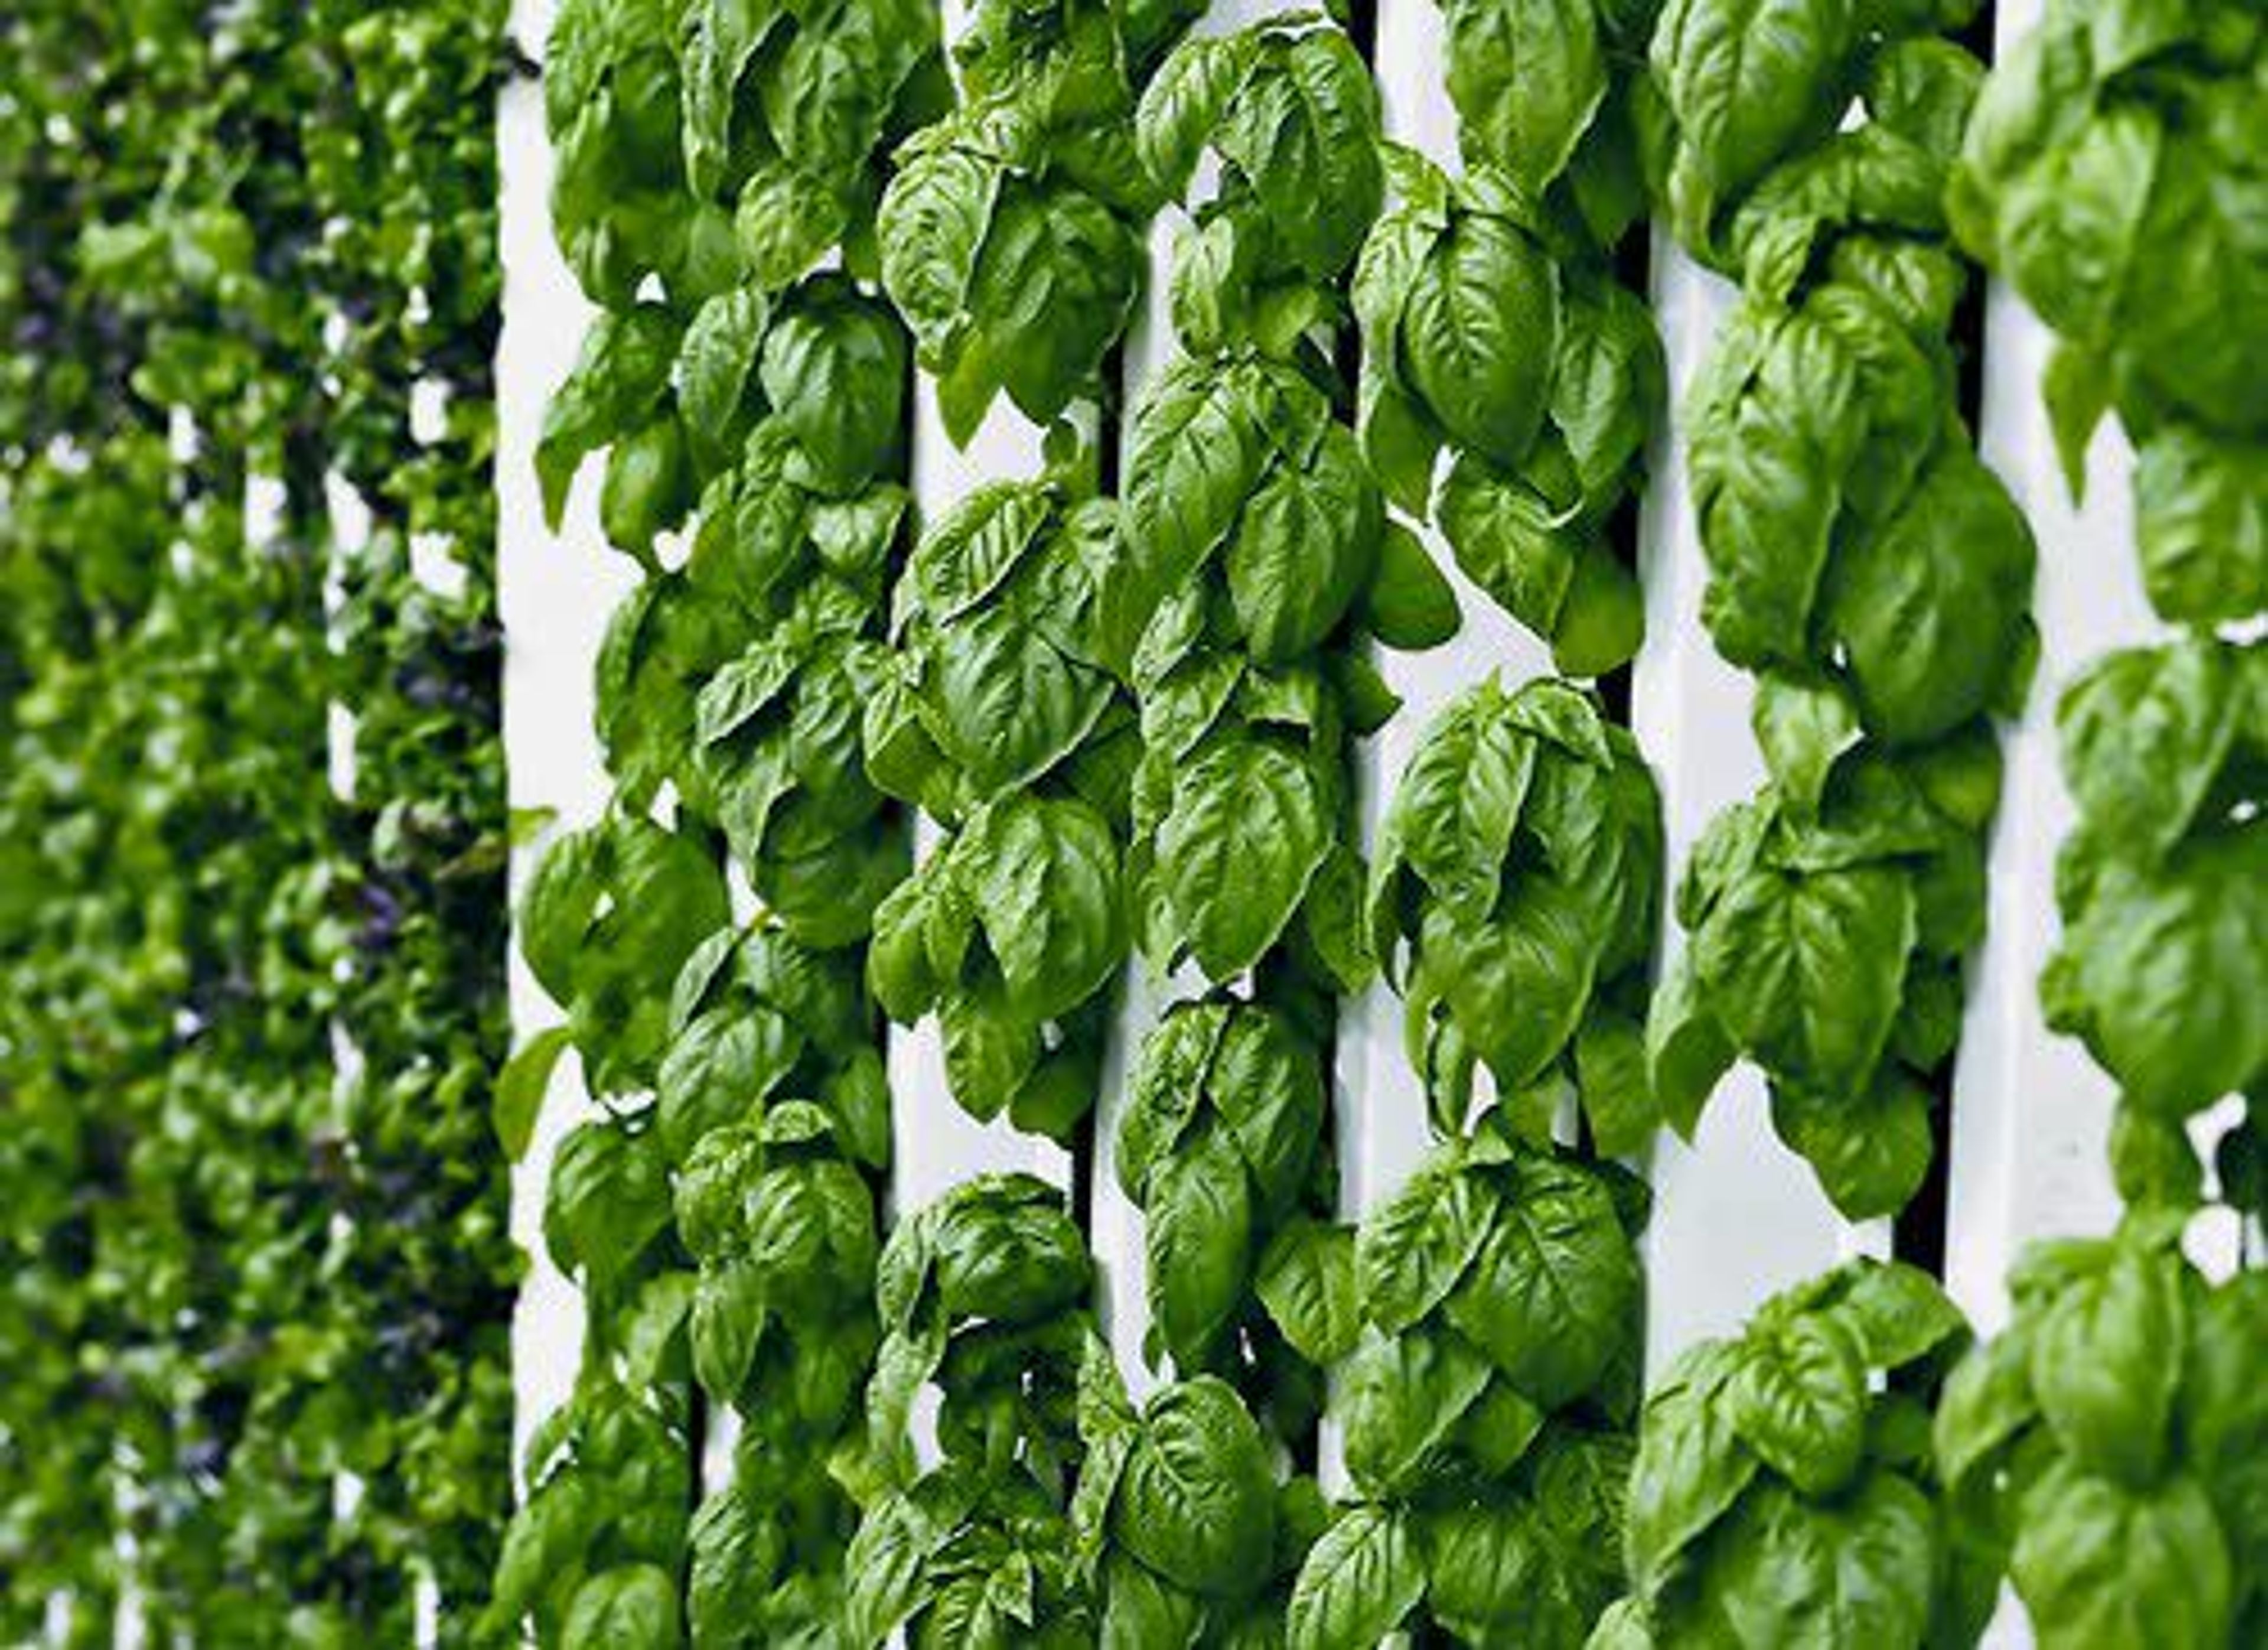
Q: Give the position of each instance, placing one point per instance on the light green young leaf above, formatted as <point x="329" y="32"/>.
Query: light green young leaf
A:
<point x="2101" y="1566"/>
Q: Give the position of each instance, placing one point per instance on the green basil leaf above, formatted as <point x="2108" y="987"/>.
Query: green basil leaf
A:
<point x="1871" y="1149"/>
<point x="1044" y="876"/>
<point x="1931" y="608"/>
<point x="520" y="1087"/>
<point x="933" y="221"/>
<point x="619" y="380"/>
<point x="1480" y="336"/>
<point x="1847" y="1573"/>
<point x="834" y="369"/>
<point x="1405" y="1398"/>
<point x="1305" y="545"/>
<point x="1527" y="78"/>
<point x="2106" y="1365"/>
<point x="2201" y="525"/>
<point x="1805" y="970"/>
<point x="2145" y="733"/>
<point x="1798" y="1397"/>
<point x="1246" y="833"/>
<point x="1361" y="1579"/>
<point x="1749" y="83"/>
<point x="633" y="1607"/>
<point x="1055" y="284"/>
<point x="1184" y="102"/>
<point x="1691" y="1469"/>
<point x="1198" y="1501"/>
<point x="1552" y="1295"/>
<point x="715" y="367"/>
<point x="2097" y="1563"/>
<point x="1199" y="1240"/>
<point x="1408" y="605"/>
<point x="1307" y="1282"/>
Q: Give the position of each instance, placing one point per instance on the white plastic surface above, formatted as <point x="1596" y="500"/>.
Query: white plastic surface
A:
<point x="1114" y="1225"/>
<point x="935" y="1143"/>
<point x="555" y="593"/>
<point x="1736" y="1214"/>
<point x="2031" y="1111"/>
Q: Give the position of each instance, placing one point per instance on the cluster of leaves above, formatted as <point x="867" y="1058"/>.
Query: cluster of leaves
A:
<point x="780" y="1216"/>
<point x="1011" y="229"/>
<point x="997" y="715"/>
<point x="85" y="1046"/>
<point x="1864" y="563"/>
<point x="728" y="1229"/>
<point x="2160" y="312"/>
<point x="1488" y="1401"/>
<point x="1783" y="1490"/>
<point x="2161" y="967"/>
<point x="1827" y="943"/>
<point x="1054" y="1514"/>
<point x="738" y="677"/>
<point x="722" y="1216"/>
<point x="609" y="917"/>
<point x="1179" y="1520"/>
<point x="983" y="1293"/>
<point x="235" y="1280"/>
<point x="1222" y="1147"/>
<point x="1513" y="899"/>
<point x="174" y="1169"/>
<point x="1493" y="325"/>
<point x="2106" y="1448"/>
<point x="1252" y="551"/>
<point x="726" y="1233"/>
<point x="612" y="918"/>
<point x="406" y="176"/>
<point x="2103" y="1451"/>
<point x="1288" y="109"/>
<point x="1251" y="535"/>
<point x="592" y="1556"/>
<point x="713" y="141"/>
<point x="1253" y="538"/>
<point x="1548" y="95"/>
<point x="2110" y="173"/>
<point x="1486" y="1320"/>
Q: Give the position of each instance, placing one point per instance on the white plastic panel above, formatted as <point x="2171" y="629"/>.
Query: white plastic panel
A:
<point x="2031" y="1111"/>
<point x="1380" y="1109"/>
<point x="1736" y="1214"/>
<point x="350" y="526"/>
<point x="556" y="594"/>
<point x="935" y="1143"/>
<point x="1114" y="1225"/>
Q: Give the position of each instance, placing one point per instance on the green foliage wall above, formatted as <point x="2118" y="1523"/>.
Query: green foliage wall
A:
<point x="238" y="241"/>
<point x="1132" y="720"/>
<point x="252" y="1075"/>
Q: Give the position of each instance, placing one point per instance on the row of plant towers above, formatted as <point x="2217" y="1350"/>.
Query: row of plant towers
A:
<point x="1124" y="695"/>
<point x="1125" y="692"/>
<point x="256" y="1382"/>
